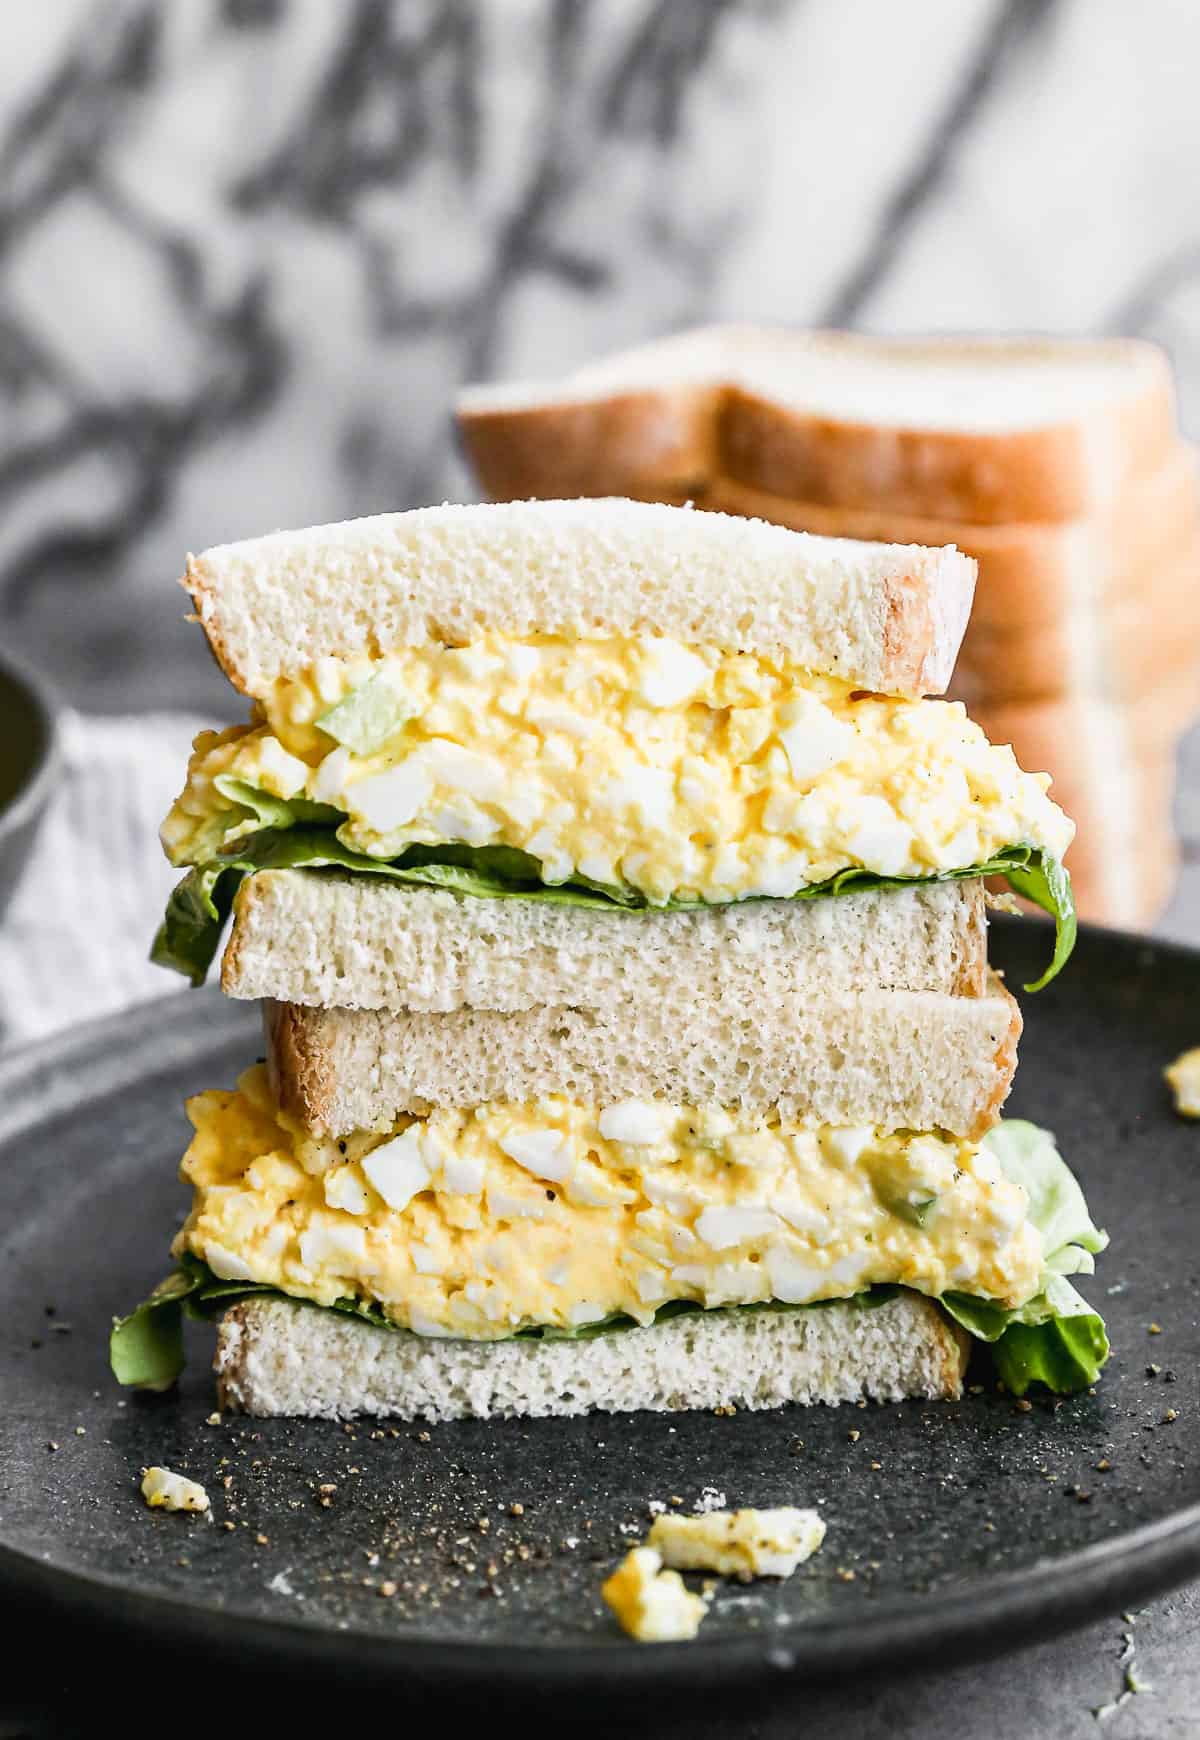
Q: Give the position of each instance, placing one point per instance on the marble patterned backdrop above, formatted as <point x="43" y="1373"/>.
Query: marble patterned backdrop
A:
<point x="248" y="248"/>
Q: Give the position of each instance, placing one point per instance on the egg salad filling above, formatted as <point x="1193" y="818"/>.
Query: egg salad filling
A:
<point x="479" y="1223"/>
<point x="639" y="770"/>
<point x="564" y="1219"/>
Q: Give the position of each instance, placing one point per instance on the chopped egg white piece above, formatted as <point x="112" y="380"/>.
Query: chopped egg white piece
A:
<point x="738" y="1543"/>
<point x="639" y="1123"/>
<point x="1184" y="1079"/>
<point x="163" y="1490"/>
<point x="652" y="1605"/>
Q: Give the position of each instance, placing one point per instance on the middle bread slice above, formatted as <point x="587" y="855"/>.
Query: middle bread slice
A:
<point x="336" y="941"/>
<point x="915" y="1060"/>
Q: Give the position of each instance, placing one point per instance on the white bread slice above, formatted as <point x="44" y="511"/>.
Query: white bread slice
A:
<point x="897" y="1059"/>
<point x="882" y="618"/>
<point x="278" y="1358"/>
<point x="1114" y="773"/>
<point x="974" y="429"/>
<point x="1118" y="650"/>
<point x="350" y="942"/>
<point x="1029" y="573"/>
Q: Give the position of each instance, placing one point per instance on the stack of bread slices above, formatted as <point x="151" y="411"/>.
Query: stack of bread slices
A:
<point x="1055" y="463"/>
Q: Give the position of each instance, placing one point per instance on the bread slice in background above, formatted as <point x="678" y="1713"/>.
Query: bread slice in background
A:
<point x="978" y="430"/>
<point x="913" y="1060"/>
<point x="275" y="1357"/>
<point x="326" y="939"/>
<point x="1114" y="774"/>
<point x="1127" y="645"/>
<point x="1030" y="573"/>
<point x="881" y="618"/>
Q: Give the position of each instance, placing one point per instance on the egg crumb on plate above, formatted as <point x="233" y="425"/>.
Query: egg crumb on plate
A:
<point x="164" y="1490"/>
<point x="652" y="1605"/>
<point x="738" y="1543"/>
<point x="1184" y="1078"/>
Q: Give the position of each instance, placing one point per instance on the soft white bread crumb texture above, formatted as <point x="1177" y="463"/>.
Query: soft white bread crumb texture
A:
<point x="331" y="941"/>
<point x="880" y="616"/>
<point x="895" y="1059"/>
<point x="278" y="1358"/>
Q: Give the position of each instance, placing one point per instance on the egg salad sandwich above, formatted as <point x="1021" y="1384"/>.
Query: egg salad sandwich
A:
<point x="613" y="891"/>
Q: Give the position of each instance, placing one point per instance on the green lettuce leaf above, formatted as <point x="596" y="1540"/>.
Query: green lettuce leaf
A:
<point x="1055" y="1338"/>
<point x="1029" y="1156"/>
<point x="1045" y="881"/>
<point x="146" y="1348"/>
<point x="265" y="811"/>
<point x="297" y="834"/>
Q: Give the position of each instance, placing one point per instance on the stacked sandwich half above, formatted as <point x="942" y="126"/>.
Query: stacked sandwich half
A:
<point x="614" y="899"/>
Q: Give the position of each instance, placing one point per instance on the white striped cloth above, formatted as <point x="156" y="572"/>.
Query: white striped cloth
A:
<point x="74" y="941"/>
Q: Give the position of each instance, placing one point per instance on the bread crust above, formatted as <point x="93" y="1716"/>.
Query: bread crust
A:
<point x="654" y="444"/>
<point x="1037" y="474"/>
<point x="1030" y="574"/>
<point x="300" y="1068"/>
<point x="274" y="1357"/>
<point x="1140" y="639"/>
<point x="1062" y="470"/>
<point x="1114" y="774"/>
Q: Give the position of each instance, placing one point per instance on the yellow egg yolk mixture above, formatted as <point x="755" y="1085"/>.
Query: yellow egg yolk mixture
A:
<point x="475" y="1224"/>
<point x="682" y="772"/>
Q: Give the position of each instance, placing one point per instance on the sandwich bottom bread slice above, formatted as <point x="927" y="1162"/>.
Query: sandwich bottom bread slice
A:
<point x="274" y="1357"/>
<point x="554" y="1256"/>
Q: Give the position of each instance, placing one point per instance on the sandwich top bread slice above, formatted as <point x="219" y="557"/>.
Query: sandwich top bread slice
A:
<point x="970" y="429"/>
<point x="877" y="618"/>
<point x="597" y="704"/>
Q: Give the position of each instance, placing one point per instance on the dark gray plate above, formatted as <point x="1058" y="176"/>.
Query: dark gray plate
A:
<point x="952" y="1528"/>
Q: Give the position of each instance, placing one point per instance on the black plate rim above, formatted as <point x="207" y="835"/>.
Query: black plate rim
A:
<point x="1034" y="1603"/>
<point x="1031" y="1605"/>
<point x="34" y="790"/>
